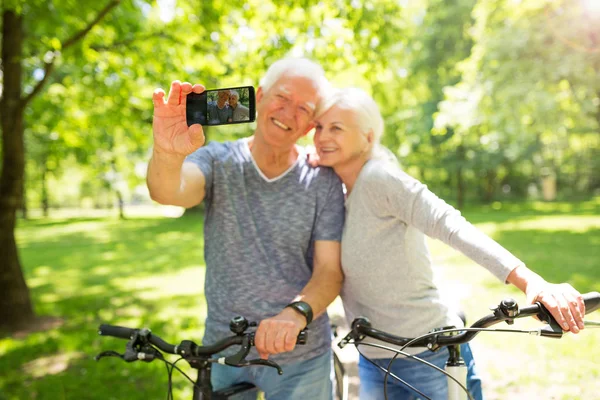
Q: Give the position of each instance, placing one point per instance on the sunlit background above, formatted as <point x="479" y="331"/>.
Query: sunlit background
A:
<point x="494" y="104"/>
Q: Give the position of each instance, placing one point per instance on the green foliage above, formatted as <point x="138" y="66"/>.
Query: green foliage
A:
<point x="522" y="90"/>
<point x="489" y="92"/>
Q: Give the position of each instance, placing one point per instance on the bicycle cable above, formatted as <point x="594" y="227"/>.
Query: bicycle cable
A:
<point x="536" y="332"/>
<point x="426" y="363"/>
<point x="169" y="389"/>
<point x="170" y="380"/>
<point x="179" y="370"/>
<point x="402" y="352"/>
<point x="386" y="371"/>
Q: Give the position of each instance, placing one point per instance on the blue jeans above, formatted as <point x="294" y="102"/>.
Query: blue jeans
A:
<point x="429" y="381"/>
<point x="310" y="379"/>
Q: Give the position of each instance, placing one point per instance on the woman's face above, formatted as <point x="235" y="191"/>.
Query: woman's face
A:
<point x="338" y="138"/>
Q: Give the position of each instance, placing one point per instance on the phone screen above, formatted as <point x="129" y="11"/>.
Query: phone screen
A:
<point x="222" y="106"/>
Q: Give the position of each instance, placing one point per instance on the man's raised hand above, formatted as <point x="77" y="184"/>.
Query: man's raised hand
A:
<point x="171" y="133"/>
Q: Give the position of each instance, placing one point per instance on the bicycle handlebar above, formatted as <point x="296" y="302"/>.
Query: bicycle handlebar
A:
<point x="122" y="332"/>
<point x="127" y="333"/>
<point x="507" y="311"/>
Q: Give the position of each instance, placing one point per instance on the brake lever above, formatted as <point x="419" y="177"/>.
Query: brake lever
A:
<point x="350" y="336"/>
<point x="353" y="334"/>
<point x="266" y="363"/>
<point x="108" y="353"/>
<point x="553" y="329"/>
<point x="239" y="358"/>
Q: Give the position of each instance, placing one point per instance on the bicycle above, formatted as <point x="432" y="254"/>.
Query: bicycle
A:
<point x="341" y="377"/>
<point x="452" y="337"/>
<point x="145" y="346"/>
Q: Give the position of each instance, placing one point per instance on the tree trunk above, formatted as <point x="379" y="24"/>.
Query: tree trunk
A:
<point x="598" y="110"/>
<point x="45" y="203"/>
<point x="121" y="203"/>
<point x="15" y="304"/>
<point x="460" y="180"/>
<point x="24" y="211"/>
<point x="489" y="185"/>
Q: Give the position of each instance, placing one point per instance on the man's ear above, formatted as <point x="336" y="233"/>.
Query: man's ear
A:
<point x="259" y="94"/>
<point x="310" y="127"/>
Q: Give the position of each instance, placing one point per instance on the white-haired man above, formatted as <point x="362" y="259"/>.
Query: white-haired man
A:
<point x="240" y="111"/>
<point x="273" y="226"/>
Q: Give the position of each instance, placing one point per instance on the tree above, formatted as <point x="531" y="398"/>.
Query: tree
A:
<point x="15" y="308"/>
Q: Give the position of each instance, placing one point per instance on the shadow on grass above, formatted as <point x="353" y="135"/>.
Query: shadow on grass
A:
<point x="139" y="273"/>
<point x="558" y="256"/>
<point x="148" y="272"/>
<point x="502" y="212"/>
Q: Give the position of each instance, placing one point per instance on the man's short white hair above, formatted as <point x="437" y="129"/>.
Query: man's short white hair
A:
<point x="294" y="67"/>
<point x="234" y="93"/>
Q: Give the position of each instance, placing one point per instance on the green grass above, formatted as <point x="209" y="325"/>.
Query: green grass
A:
<point x="143" y="272"/>
<point x="148" y="272"/>
<point x="562" y="243"/>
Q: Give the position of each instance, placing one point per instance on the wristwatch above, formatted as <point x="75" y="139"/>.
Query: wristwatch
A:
<point x="303" y="308"/>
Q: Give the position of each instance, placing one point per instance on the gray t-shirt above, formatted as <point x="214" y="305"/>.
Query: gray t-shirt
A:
<point x="218" y="115"/>
<point x="259" y="236"/>
<point x="388" y="276"/>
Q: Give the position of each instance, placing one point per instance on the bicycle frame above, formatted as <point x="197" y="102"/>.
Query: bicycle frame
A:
<point x="457" y="369"/>
<point x="203" y="389"/>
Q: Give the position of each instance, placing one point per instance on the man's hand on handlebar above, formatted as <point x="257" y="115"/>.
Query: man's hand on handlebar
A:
<point x="278" y="334"/>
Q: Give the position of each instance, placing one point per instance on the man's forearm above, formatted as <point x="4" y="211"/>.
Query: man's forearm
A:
<point x="321" y="290"/>
<point x="164" y="178"/>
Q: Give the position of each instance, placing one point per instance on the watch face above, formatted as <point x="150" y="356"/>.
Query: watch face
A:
<point x="304" y="308"/>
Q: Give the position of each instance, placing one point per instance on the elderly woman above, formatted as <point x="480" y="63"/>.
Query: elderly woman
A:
<point x="386" y="262"/>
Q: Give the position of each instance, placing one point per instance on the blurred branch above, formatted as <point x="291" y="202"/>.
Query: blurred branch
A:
<point x="49" y="64"/>
<point x="128" y="41"/>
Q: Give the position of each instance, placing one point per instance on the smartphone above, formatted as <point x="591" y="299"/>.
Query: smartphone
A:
<point x="235" y="105"/>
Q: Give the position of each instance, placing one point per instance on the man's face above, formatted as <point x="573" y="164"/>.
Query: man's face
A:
<point x="233" y="100"/>
<point x="223" y="96"/>
<point x="286" y="110"/>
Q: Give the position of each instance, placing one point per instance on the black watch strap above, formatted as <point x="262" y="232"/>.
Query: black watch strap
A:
<point x="303" y="308"/>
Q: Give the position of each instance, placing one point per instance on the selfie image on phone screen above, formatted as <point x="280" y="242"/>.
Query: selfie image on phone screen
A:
<point x="221" y="106"/>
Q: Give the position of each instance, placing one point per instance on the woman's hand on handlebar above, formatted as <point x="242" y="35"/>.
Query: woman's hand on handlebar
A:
<point x="563" y="301"/>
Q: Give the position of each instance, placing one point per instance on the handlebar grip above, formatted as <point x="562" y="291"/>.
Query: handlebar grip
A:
<point x="592" y="301"/>
<point x="302" y="337"/>
<point x="116" y="331"/>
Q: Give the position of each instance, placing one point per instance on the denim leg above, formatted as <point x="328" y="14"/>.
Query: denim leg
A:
<point x="223" y="376"/>
<point x="311" y="379"/>
<point x="473" y="379"/>
<point x="430" y="382"/>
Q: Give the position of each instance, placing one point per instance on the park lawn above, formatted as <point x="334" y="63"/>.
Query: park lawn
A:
<point x="562" y="243"/>
<point x="142" y="272"/>
<point x="148" y="272"/>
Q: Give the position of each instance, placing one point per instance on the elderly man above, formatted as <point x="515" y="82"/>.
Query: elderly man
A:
<point x="219" y="112"/>
<point x="240" y="112"/>
<point x="273" y="226"/>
